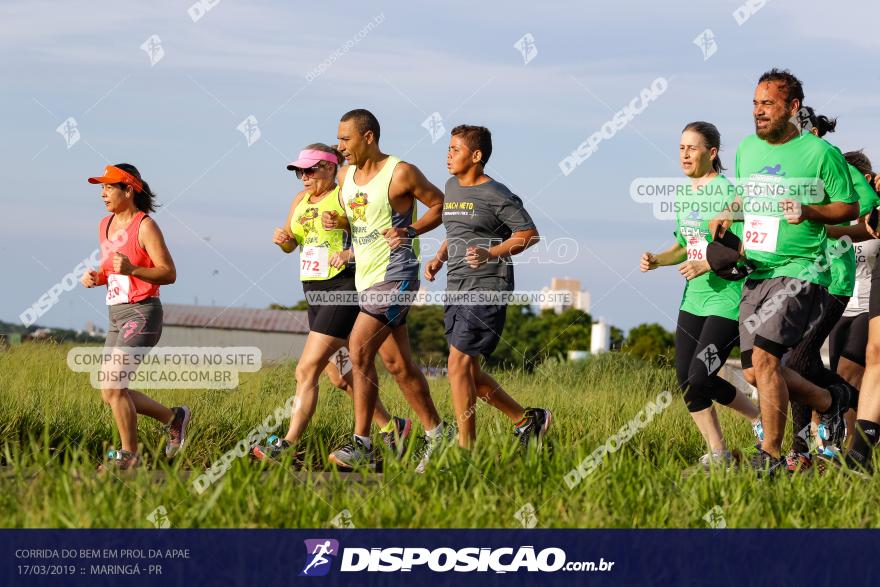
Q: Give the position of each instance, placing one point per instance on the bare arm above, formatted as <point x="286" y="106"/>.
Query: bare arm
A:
<point x="409" y="179"/>
<point x="283" y="237"/>
<point x="163" y="272"/>
<point x="833" y="213"/>
<point x="856" y="232"/>
<point x="443" y="252"/>
<point x="672" y="256"/>
<point x="433" y="266"/>
<point x="518" y="242"/>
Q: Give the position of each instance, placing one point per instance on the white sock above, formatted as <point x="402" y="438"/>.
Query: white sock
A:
<point x="435" y="432"/>
<point x="365" y="440"/>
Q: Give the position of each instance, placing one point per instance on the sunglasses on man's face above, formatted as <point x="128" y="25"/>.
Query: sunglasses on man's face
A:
<point x="308" y="171"/>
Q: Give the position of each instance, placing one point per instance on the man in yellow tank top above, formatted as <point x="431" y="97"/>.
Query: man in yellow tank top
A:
<point x="378" y="193"/>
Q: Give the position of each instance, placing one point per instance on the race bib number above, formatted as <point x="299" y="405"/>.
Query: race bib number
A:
<point x="760" y="233"/>
<point x="117" y="289"/>
<point x="315" y="262"/>
<point x="696" y="249"/>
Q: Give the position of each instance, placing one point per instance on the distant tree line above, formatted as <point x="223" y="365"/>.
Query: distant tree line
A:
<point x="530" y="337"/>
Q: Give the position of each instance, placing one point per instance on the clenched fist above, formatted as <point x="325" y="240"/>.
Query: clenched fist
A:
<point x="281" y="237"/>
<point x="330" y="220"/>
<point x="121" y="264"/>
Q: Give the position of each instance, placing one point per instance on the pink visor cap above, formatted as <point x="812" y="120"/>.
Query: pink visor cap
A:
<point x="310" y="157"/>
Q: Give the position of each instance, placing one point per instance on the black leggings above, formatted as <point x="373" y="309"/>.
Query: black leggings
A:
<point x="806" y="360"/>
<point x="702" y="345"/>
<point x="849" y="339"/>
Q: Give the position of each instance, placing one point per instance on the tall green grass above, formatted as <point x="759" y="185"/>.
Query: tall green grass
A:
<point x="54" y="430"/>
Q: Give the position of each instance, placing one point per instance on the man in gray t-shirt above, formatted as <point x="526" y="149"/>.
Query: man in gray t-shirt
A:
<point x="485" y="225"/>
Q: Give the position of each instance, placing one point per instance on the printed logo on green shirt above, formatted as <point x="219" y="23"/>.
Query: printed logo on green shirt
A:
<point x="358" y="205"/>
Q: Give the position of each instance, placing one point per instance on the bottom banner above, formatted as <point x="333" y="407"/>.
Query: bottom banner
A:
<point x="462" y="557"/>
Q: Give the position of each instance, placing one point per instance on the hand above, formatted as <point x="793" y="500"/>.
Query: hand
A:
<point x="395" y="237"/>
<point x="89" y="278"/>
<point x="720" y="222"/>
<point x="476" y="256"/>
<point x="338" y="260"/>
<point x="121" y="264"/>
<point x="281" y="237"/>
<point x="692" y="269"/>
<point x="330" y="220"/>
<point x="432" y="268"/>
<point x="870" y="230"/>
<point x="792" y="211"/>
<point x="648" y="262"/>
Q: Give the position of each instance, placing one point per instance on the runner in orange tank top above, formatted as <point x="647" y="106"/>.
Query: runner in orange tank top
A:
<point x="140" y="263"/>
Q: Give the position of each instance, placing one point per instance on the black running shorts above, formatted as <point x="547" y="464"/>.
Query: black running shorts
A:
<point x="333" y="319"/>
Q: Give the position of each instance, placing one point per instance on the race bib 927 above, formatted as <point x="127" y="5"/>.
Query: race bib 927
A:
<point x="760" y="233"/>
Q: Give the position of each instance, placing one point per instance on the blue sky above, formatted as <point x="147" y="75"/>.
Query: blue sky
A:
<point x="177" y="121"/>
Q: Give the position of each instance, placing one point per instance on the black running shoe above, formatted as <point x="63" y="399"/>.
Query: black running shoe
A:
<point x="176" y="430"/>
<point x="272" y="450"/>
<point x="798" y="462"/>
<point x="766" y="465"/>
<point x="832" y="426"/>
<point x="830" y="460"/>
<point x="861" y="467"/>
<point x="395" y="441"/>
<point x="534" y="427"/>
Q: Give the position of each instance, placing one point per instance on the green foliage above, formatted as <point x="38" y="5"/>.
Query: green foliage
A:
<point x="651" y="342"/>
<point x="301" y="305"/>
<point x="617" y="338"/>
<point x="427" y="335"/>
<point x="530" y="339"/>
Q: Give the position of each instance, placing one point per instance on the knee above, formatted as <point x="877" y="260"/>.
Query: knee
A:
<point x="749" y="376"/>
<point x="696" y="398"/>
<point x="872" y="352"/>
<point x="110" y="395"/>
<point x="306" y="371"/>
<point x="361" y="356"/>
<point x="458" y="363"/>
<point x="397" y="368"/>
<point x="699" y="379"/>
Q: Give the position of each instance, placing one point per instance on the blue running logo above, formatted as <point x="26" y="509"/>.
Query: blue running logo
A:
<point x="317" y="552"/>
<point x="775" y="170"/>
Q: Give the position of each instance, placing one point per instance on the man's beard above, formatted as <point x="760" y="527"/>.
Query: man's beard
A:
<point x="775" y="132"/>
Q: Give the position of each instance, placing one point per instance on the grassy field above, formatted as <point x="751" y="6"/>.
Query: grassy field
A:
<point x="54" y="429"/>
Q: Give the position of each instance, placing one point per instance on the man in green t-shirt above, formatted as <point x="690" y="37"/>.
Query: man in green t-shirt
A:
<point x="791" y="185"/>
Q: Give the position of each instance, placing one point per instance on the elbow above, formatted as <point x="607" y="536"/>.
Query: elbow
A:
<point x="853" y="212"/>
<point x="533" y="238"/>
<point x="170" y="277"/>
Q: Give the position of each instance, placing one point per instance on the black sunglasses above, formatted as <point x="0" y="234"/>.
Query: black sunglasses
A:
<point x="308" y="170"/>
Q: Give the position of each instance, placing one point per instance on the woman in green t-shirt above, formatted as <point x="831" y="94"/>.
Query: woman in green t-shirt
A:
<point x="708" y="318"/>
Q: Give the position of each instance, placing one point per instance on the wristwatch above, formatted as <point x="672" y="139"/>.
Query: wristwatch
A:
<point x="411" y="232"/>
